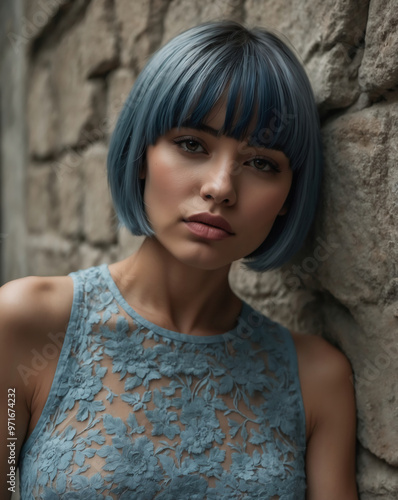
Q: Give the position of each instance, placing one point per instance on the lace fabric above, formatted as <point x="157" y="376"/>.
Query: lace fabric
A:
<point x="136" y="411"/>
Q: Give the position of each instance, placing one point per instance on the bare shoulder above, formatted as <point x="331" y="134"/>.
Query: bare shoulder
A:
<point x="33" y="304"/>
<point x="321" y="355"/>
<point x="31" y="309"/>
<point x="329" y="402"/>
<point x="325" y="377"/>
<point x="321" y="358"/>
<point x="322" y="366"/>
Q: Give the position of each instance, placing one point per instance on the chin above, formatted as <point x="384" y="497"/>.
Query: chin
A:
<point x="206" y="264"/>
<point x="199" y="260"/>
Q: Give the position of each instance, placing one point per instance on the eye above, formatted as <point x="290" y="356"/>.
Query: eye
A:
<point x="264" y="165"/>
<point x="190" y="145"/>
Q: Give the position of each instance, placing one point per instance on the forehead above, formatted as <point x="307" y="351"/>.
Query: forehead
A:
<point x="214" y="122"/>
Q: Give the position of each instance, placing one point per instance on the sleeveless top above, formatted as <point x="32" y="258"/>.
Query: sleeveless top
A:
<point x="136" y="411"/>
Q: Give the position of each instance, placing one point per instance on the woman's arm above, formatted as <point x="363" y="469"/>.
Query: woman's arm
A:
<point x="328" y="393"/>
<point x="14" y="404"/>
<point x="30" y="309"/>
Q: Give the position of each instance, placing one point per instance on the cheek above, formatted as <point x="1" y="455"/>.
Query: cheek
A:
<point x="165" y="188"/>
<point x="167" y="184"/>
<point x="264" y="205"/>
<point x="157" y="175"/>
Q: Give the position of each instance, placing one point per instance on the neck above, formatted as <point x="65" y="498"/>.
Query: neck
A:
<point x="174" y="295"/>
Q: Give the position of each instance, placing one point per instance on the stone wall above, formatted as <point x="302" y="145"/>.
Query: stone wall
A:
<point x="13" y="155"/>
<point x="83" y="57"/>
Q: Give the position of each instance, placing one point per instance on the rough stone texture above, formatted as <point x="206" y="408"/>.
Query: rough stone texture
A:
<point x="361" y="158"/>
<point x="50" y="255"/>
<point x="38" y="196"/>
<point x="39" y="14"/>
<point x="281" y="296"/>
<point x="13" y="141"/>
<point x="90" y="256"/>
<point x="66" y="105"/>
<point x="180" y="18"/>
<point x="368" y="337"/>
<point x="42" y="112"/>
<point x="80" y="102"/>
<point x="69" y="192"/>
<point x="120" y="83"/>
<point x="379" y="68"/>
<point x="99" y="218"/>
<point x="98" y="52"/>
<point x="140" y="26"/>
<point x="64" y="109"/>
<point x="360" y="210"/>
<point x="132" y="19"/>
<point x="376" y="479"/>
<point x="328" y="38"/>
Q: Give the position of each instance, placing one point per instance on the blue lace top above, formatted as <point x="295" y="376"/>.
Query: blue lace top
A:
<point x="136" y="411"/>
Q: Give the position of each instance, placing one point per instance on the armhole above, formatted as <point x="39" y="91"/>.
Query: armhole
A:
<point x="71" y="331"/>
<point x="294" y="370"/>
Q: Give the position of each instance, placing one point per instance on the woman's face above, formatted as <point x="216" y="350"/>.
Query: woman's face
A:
<point x="190" y="172"/>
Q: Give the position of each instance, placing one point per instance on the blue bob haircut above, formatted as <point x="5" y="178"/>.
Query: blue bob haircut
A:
<point x="262" y="79"/>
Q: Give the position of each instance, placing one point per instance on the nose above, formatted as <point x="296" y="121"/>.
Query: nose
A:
<point x="218" y="184"/>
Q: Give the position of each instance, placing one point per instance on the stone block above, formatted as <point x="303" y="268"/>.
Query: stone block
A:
<point x="311" y="26"/>
<point x="132" y="19"/>
<point x="99" y="217"/>
<point x="98" y="49"/>
<point x="66" y="109"/>
<point x="98" y="44"/>
<point x="334" y="87"/>
<point x="42" y="113"/>
<point x="80" y="103"/>
<point x="358" y="218"/>
<point x="279" y="295"/>
<point x="39" y="206"/>
<point x="376" y="479"/>
<point x="358" y="204"/>
<point x="120" y="83"/>
<point x="379" y="67"/>
<point x="219" y="10"/>
<point x="327" y="36"/>
<point x="38" y="16"/>
<point x="69" y="191"/>
<point x="183" y="14"/>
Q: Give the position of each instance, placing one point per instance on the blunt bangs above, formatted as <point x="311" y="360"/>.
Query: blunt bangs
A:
<point x="270" y="103"/>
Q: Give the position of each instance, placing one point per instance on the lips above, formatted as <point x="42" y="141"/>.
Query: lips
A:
<point x="211" y="220"/>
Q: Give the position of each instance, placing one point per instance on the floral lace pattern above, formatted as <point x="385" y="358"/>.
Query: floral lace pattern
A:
<point x="137" y="411"/>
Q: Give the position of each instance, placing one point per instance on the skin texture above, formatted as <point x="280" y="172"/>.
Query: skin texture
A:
<point x="203" y="174"/>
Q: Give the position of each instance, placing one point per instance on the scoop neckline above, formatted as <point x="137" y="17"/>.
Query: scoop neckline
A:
<point x="164" y="332"/>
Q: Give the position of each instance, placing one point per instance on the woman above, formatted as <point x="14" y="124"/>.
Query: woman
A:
<point x="164" y="383"/>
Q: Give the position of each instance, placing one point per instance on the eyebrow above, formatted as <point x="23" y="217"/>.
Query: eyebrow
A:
<point x="205" y="128"/>
<point x="210" y="130"/>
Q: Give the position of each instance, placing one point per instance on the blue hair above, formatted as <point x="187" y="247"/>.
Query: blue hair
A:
<point x="181" y="83"/>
